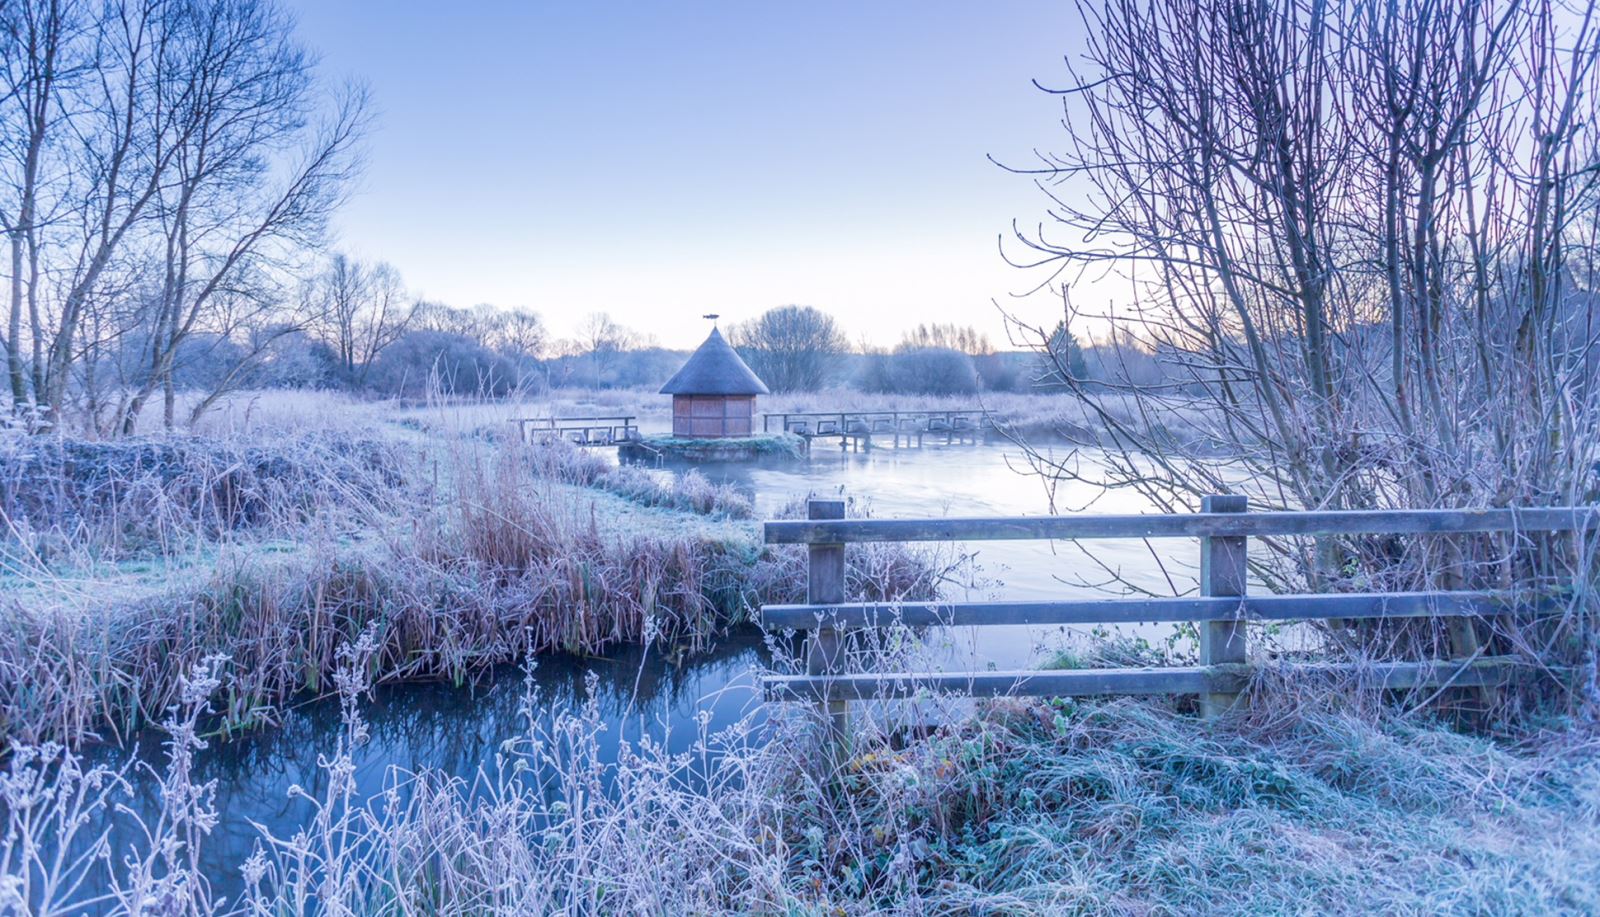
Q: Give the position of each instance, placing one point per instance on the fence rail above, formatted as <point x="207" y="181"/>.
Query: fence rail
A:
<point x="1223" y="527"/>
<point x="861" y="426"/>
<point x="1479" y="673"/>
<point x="1138" y="610"/>
<point x="1192" y="525"/>
<point x="586" y="431"/>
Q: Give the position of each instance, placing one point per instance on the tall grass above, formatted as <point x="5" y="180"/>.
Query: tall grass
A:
<point x="1096" y="807"/>
<point x="70" y="502"/>
<point x="484" y="553"/>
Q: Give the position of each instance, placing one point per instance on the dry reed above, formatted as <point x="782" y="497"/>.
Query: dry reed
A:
<point x="1066" y="807"/>
<point x="482" y="553"/>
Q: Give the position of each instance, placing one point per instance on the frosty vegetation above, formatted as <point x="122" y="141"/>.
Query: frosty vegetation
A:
<point x="1361" y="247"/>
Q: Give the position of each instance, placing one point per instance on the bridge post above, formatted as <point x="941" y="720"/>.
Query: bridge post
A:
<point x="825" y="586"/>
<point x="1223" y="572"/>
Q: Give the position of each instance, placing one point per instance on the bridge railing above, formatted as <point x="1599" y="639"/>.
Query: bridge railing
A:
<point x="605" y="430"/>
<point x="1220" y="612"/>
<point x="851" y="423"/>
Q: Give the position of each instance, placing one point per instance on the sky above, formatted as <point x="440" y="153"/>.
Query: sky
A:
<point x="662" y="160"/>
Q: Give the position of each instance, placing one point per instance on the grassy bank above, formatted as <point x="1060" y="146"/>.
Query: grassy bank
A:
<point x="782" y="446"/>
<point x="477" y="553"/>
<point x="1312" y="804"/>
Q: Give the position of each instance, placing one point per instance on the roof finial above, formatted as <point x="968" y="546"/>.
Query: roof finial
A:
<point x="713" y="316"/>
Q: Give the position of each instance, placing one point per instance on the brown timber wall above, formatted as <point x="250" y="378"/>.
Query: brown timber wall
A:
<point x="713" y="416"/>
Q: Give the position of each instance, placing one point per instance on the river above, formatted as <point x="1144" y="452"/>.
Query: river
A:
<point x="461" y="729"/>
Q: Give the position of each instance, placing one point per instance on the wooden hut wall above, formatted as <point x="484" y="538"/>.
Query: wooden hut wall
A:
<point x="713" y="415"/>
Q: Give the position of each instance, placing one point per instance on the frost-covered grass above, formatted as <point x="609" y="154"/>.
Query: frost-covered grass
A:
<point x="761" y="446"/>
<point x="66" y="502"/>
<point x="1306" y="805"/>
<point x="689" y="490"/>
<point x="1321" y="801"/>
<point x="460" y="555"/>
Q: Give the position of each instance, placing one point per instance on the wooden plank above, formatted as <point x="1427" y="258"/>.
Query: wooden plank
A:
<point x="556" y="421"/>
<point x="1137" y="610"/>
<point x="1224" y="573"/>
<point x="1091" y="682"/>
<point x="838" y="688"/>
<point x="825" y="583"/>
<point x="1185" y="525"/>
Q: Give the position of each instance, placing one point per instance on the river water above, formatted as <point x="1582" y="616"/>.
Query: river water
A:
<point x="461" y="729"/>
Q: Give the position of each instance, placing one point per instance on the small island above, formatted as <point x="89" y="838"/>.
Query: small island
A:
<point x="721" y="449"/>
<point x="713" y="412"/>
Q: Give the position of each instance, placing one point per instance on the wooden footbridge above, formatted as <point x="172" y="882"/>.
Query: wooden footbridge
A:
<point x="857" y="428"/>
<point x="584" y="431"/>
<point x="1221" y="611"/>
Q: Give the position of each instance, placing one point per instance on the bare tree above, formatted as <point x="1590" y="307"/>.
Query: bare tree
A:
<point x="254" y="329"/>
<point x="38" y="55"/>
<point x="520" y="334"/>
<point x="362" y="310"/>
<point x="964" y="338"/>
<point x="131" y="136"/>
<point x="476" y="323"/>
<point x="1350" y="229"/>
<point x="163" y="162"/>
<point x="604" y="341"/>
<point x="220" y="215"/>
<point x="792" y="348"/>
<point x="521" y="337"/>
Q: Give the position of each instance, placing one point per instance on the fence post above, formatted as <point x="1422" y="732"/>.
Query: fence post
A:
<point x="1463" y="631"/>
<point x="825" y="586"/>
<point x="1223" y="572"/>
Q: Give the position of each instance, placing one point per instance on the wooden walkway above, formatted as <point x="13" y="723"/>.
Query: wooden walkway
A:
<point x="857" y="428"/>
<point x="1221" y="611"/>
<point x="584" y="431"/>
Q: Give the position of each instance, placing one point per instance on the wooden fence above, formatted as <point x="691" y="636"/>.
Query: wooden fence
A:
<point x="1220" y="612"/>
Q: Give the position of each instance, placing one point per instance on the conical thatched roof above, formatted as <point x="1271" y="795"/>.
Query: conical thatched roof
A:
<point x="714" y="369"/>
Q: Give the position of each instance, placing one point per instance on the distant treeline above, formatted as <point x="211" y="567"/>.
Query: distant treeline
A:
<point x="164" y="224"/>
<point x="388" y="350"/>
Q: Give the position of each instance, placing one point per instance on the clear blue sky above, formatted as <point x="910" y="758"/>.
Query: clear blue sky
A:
<point x="660" y="160"/>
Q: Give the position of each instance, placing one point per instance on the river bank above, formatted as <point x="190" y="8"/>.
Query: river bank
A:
<point x="427" y="771"/>
<point x="465" y="555"/>
<point x="1319" y="801"/>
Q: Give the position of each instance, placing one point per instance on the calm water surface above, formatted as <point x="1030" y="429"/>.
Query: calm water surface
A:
<point x="461" y="729"/>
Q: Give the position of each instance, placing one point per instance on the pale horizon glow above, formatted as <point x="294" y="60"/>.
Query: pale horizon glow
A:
<point x="657" y="162"/>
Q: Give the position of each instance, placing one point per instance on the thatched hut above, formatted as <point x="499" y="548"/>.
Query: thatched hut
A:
<point x="714" y="393"/>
